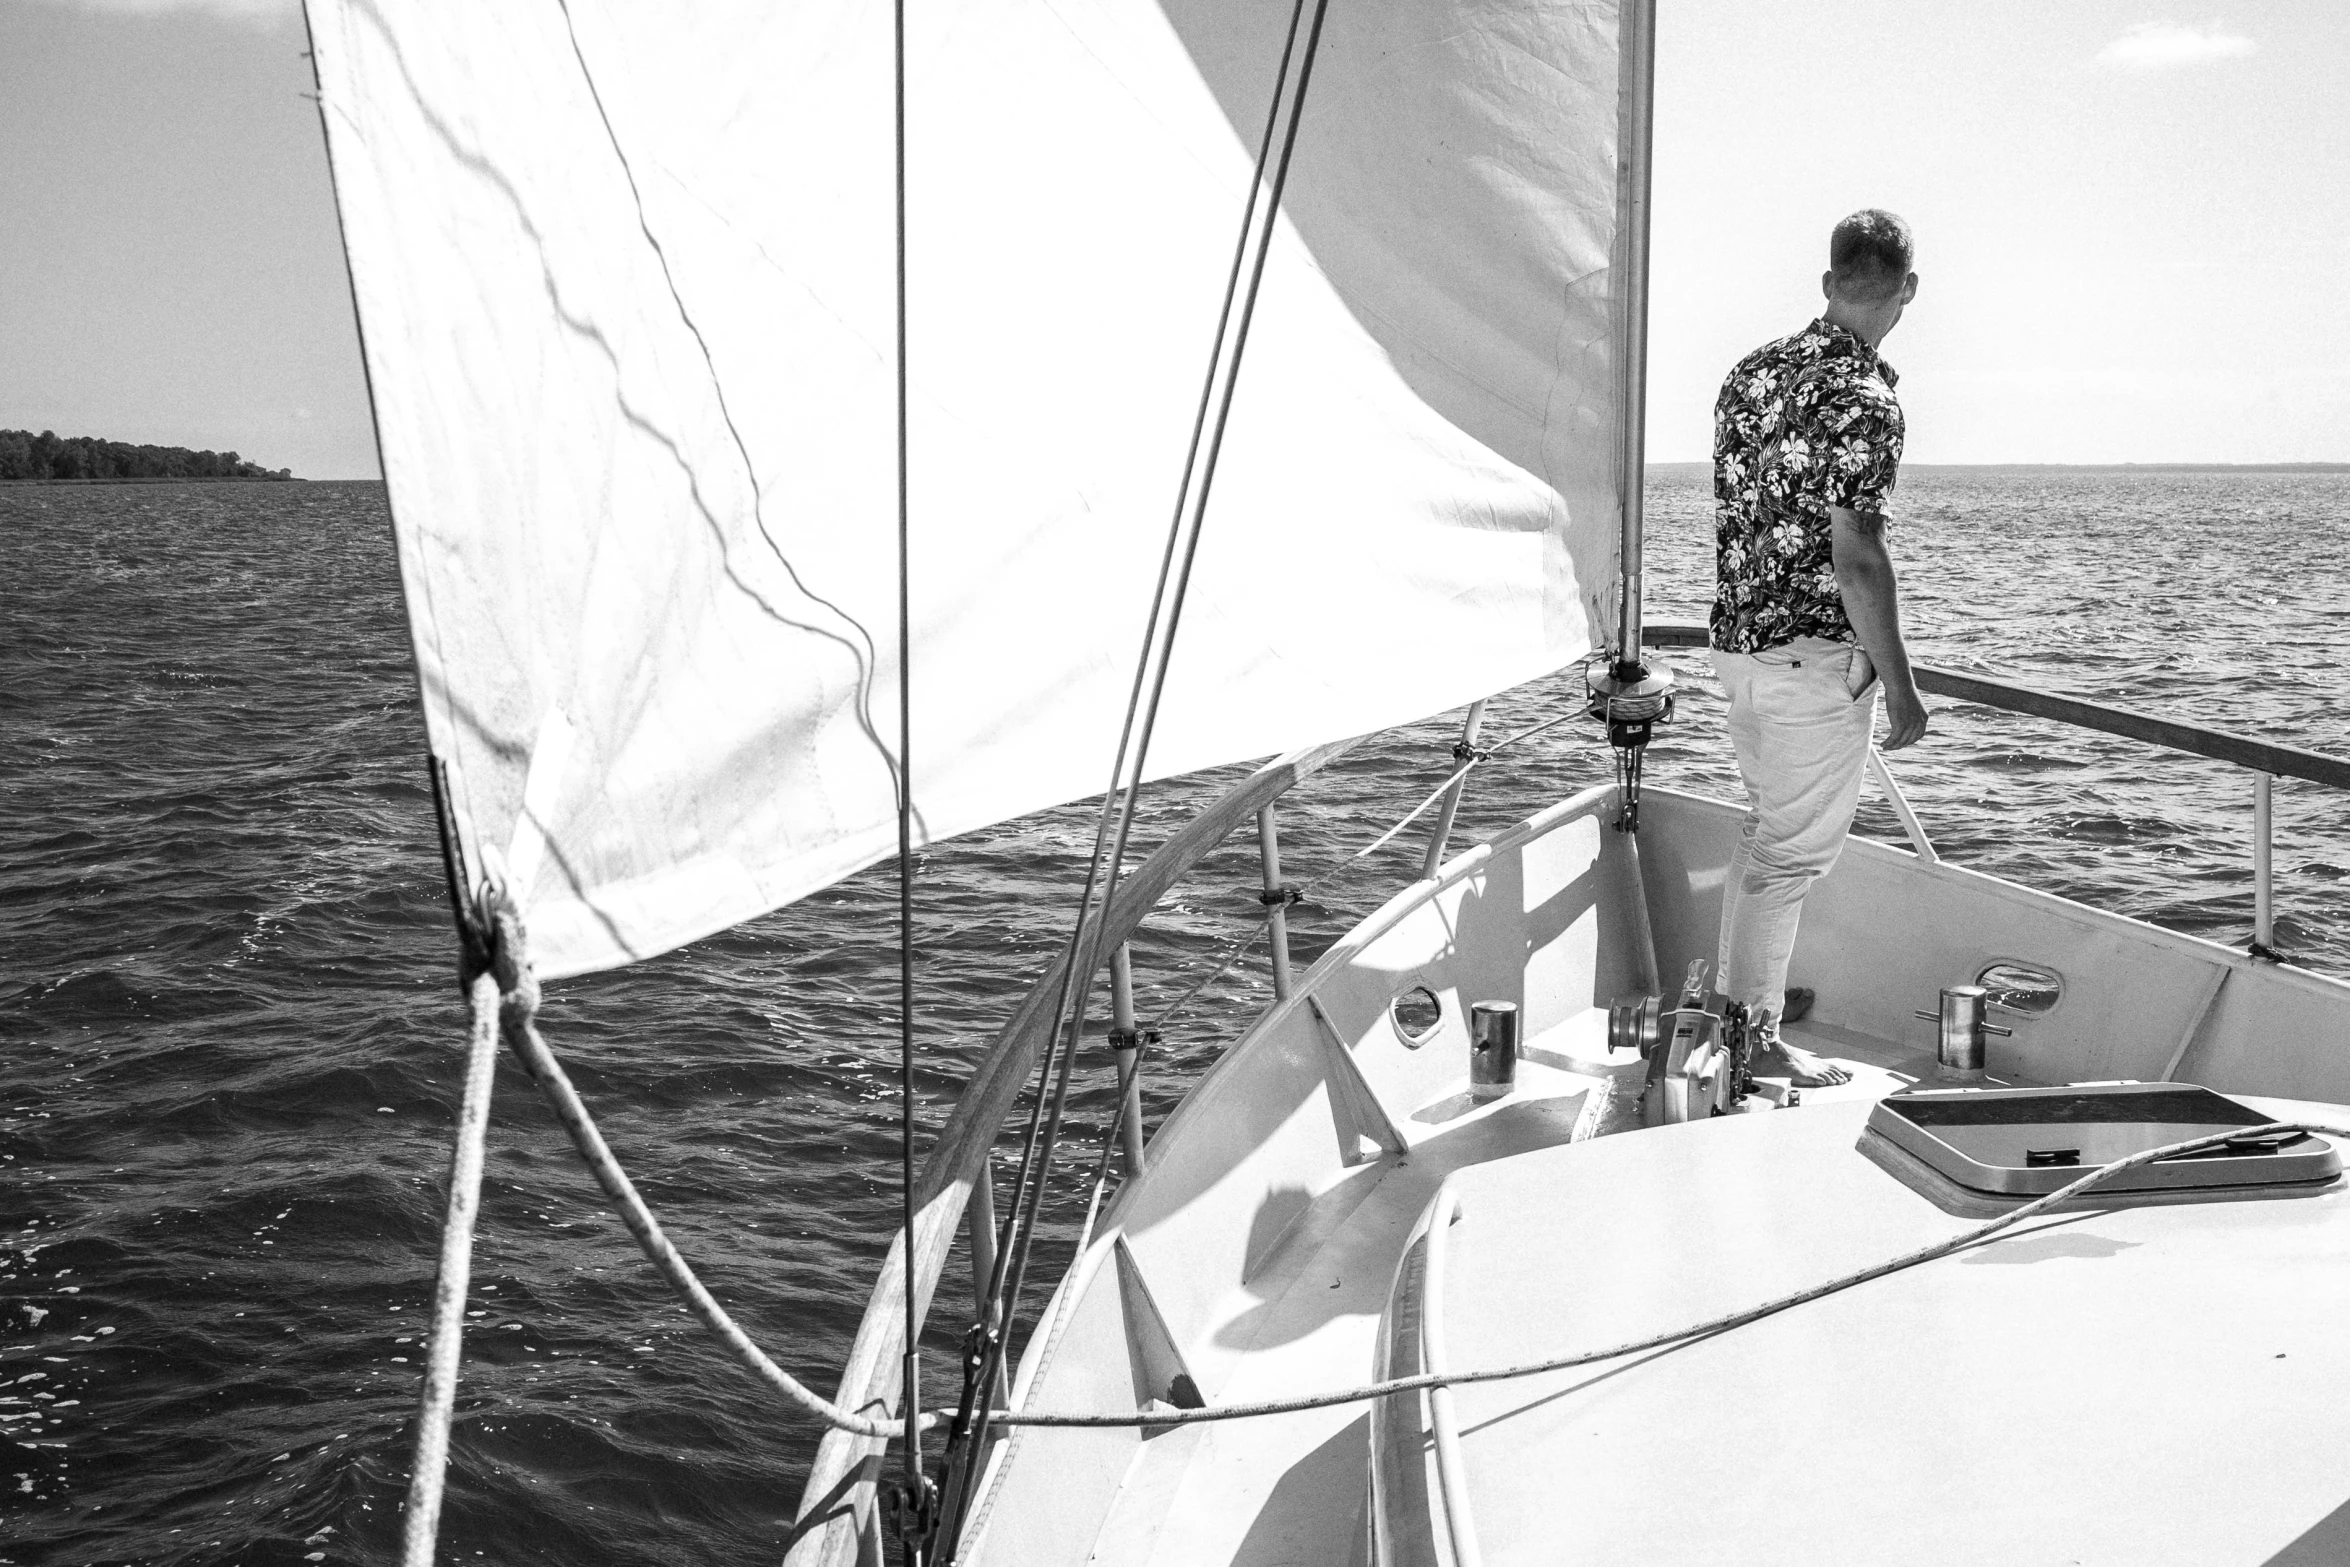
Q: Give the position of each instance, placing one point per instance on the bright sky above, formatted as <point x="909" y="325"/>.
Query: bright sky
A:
<point x="2133" y="219"/>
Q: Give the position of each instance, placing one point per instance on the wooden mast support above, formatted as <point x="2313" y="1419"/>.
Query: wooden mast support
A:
<point x="839" y="1494"/>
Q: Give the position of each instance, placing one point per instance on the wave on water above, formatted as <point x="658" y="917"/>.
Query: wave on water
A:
<point x="233" y="1034"/>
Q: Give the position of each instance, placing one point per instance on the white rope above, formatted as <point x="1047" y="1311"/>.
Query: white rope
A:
<point x="510" y="993"/>
<point x="521" y="994"/>
<point x="1722" y="1324"/>
<point x="439" y="1400"/>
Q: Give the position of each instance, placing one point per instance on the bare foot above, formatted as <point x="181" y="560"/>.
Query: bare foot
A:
<point x="1805" y="1070"/>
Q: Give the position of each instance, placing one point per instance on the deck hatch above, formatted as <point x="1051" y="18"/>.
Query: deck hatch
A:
<point x="2027" y="1142"/>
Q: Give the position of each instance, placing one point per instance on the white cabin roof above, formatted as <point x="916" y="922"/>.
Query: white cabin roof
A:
<point x="2130" y="1386"/>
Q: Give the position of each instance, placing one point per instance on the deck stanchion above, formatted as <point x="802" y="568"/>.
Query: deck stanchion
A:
<point x="1276" y="899"/>
<point x="1126" y="1035"/>
<point x="1441" y="834"/>
<point x="1900" y="803"/>
<point x="979" y="1214"/>
<point x="2264" y="914"/>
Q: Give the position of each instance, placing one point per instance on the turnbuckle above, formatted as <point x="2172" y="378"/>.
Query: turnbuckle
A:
<point x="909" y="1505"/>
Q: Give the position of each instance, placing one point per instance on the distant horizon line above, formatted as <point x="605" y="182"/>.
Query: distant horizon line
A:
<point x="1953" y="467"/>
<point x="1694" y="464"/>
<point x="2087" y="467"/>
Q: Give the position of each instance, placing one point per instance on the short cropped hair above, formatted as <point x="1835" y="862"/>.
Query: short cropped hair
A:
<point x="1870" y="254"/>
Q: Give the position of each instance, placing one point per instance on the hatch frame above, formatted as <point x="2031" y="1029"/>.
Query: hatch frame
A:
<point x="1931" y="1126"/>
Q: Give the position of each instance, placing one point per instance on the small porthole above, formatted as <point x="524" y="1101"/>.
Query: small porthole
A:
<point x="1416" y="1013"/>
<point x="2022" y="988"/>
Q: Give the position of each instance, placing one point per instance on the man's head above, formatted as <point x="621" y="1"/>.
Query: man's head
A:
<point x="1869" y="277"/>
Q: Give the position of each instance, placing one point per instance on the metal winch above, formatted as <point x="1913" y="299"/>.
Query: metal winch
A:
<point x="1697" y="1054"/>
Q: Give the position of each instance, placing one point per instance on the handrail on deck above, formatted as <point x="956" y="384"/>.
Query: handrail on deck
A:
<point x="2264" y="759"/>
<point x="2260" y="756"/>
<point x="1452" y="1476"/>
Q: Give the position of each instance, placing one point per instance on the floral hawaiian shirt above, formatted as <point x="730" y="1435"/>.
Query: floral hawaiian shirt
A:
<point x="1802" y="424"/>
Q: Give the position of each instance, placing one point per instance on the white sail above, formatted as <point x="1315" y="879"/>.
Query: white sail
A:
<point x="624" y="279"/>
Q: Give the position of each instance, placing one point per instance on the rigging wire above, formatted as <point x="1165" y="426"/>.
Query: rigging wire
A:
<point x="518" y="1001"/>
<point x="1111" y="797"/>
<point x="1089" y="930"/>
<point x="1013" y="1249"/>
<point x="913" y="1510"/>
<point x="1115" y="825"/>
<point x="1239" y="947"/>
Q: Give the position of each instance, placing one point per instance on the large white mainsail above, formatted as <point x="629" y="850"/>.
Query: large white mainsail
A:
<point x="624" y="278"/>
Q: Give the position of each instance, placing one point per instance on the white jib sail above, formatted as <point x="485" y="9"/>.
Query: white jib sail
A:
<point x="624" y="279"/>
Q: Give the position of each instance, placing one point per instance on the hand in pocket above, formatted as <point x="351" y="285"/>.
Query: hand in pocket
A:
<point x="1860" y="675"/>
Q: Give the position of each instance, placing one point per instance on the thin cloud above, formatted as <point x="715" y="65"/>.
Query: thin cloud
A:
<point x="261" y="12"/>
<point x="2160" y="46"/>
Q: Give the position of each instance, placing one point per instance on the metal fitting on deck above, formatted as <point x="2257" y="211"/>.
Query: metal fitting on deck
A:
<point x="1493" y="1048"/>
<point x="1959" y="1050"/>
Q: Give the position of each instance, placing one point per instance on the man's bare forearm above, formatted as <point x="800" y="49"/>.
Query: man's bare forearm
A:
<point x="1872" y="602"/>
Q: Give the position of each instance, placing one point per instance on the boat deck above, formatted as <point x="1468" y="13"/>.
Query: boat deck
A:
<point x="2122" y="1385"/>
<point x="1264" y="1492"/>
<point x="1257" y="1254"/>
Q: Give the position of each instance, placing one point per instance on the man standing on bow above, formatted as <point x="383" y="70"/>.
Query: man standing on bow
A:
<point x="1805" y="623"/>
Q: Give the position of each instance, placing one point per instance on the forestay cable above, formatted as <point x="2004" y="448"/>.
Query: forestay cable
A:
<point x="914" y="1508"/>
<point x="1120" y="800"/>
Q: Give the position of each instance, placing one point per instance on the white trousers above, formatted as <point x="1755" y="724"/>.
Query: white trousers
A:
<point x="1800" y="721"/>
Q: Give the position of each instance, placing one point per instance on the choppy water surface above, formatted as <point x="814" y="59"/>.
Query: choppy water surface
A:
<point x="231" y="1032"/>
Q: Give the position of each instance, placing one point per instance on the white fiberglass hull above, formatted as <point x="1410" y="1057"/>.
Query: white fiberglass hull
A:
<point x="1257" y="1253"/>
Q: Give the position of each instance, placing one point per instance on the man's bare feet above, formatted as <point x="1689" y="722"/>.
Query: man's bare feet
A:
<point x="1804" y="1069"/>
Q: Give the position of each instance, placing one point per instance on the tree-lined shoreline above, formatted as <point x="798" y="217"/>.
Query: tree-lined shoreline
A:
<point x="49" y="458"/>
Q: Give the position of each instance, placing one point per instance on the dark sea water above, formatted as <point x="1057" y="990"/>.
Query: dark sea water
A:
<point x="230" y="1034"/>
